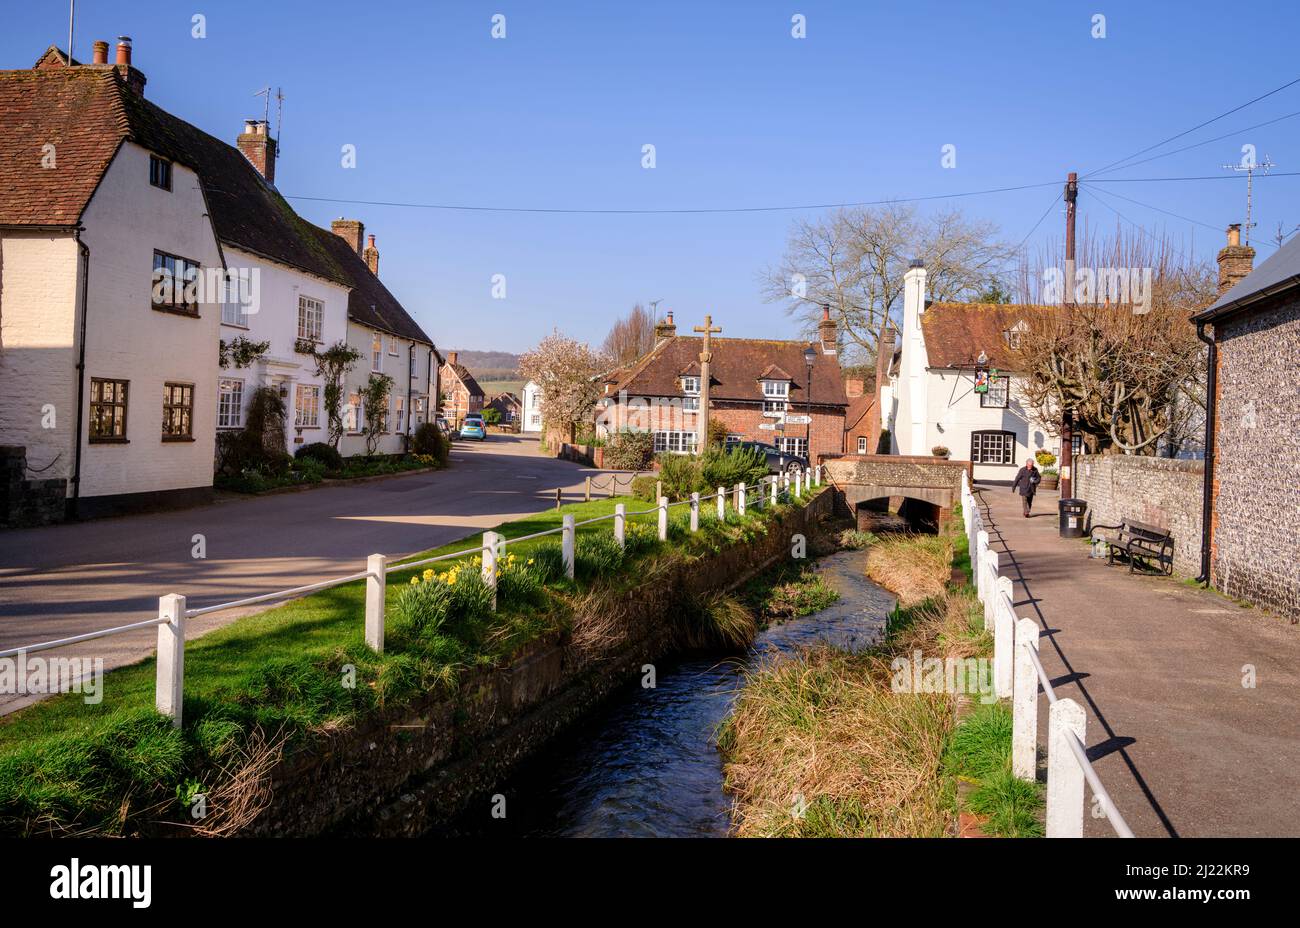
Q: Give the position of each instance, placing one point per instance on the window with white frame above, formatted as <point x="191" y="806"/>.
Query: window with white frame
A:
<point x="675" y="442"/>
<point x="691" y="403"/>
<point x="996" y="396"/>
<point x="311" y="319"/>
<point x="392" y="345"/>
<point x="775" y="405"/>
<point x="377" y="353"/>
<point x="993" y="447"/>
<point x="862" y="445"/>
<point x="352" y="414"/>
<point x="797" y="446"/>
<point x="233" y="311"/>
<point x="401" y="412"/>
<point x="776" y="388"/>
<point x="306" y="406"/>
<point x="230" y="403"/>
<point x="691" y="386"/>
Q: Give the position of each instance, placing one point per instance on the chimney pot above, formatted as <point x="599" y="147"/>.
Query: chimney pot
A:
<point x="1234" y="234"/>
<point x="124" y="49"/>
<point x="100" y="53"/>
<point x="371" y="256"/>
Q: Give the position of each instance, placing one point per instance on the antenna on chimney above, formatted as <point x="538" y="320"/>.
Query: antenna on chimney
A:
<point x="1250" y="166"/>
<point x="265" y="92"/>
<point x="279" y="118"/>
<point x="72" y="15"/>
<point x="654" y="309"/>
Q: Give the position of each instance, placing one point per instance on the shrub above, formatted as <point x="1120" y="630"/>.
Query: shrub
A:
<point x="319" y="451"/>
<point x="644" y="488"/>
<point x="681" y="475"/>
<point x="727" y="468"/>
<point x="492" y="415"/>
<point x="717" y="433"/>
<point x="629" y="451"/>
<point x="596" y="554"/>
<point x="311" y="470"/>
<point x="429" y="440"/>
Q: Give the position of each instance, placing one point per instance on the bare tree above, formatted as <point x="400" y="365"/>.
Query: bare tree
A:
<point x="566" y="371"/>
<point x="853" y="260"/>
<point x="630" y="337"/>
<point x="1131" y="370"/>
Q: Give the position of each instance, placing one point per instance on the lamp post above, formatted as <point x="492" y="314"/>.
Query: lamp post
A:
<point x="809" y="356"/>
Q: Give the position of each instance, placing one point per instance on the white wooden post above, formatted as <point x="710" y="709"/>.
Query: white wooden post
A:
<point x="566" y="545"/>
<point x="817" y="473"/>
<point x="376" y="578"/>
<point x="798" y="482"/>
<point x="1064" y="775"/>
<point x="1024" y="703"/>
<point x="774" y="489"/>
<point x="493" y="547"/>
<point x="981" y="558"/>
<point x="695" y="512"/>
<point x="740" y="498"/>
<point x="722" y="503"/>
<point x="169" y="688"/>
<point x="620" y="524"/>
<point x="1004" y="618"/>
<point x="663" y="518"/>
<point x="785" y="483"/>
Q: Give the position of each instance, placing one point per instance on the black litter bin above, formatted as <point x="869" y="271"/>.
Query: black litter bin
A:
<point x="1072" y="511"/>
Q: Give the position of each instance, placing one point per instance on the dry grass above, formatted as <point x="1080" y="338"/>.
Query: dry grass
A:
<point x="913" y="567"/>
<point x="818" y="745"/>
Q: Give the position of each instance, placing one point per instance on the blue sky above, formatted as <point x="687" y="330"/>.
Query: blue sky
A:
<point x="741" y="115"/>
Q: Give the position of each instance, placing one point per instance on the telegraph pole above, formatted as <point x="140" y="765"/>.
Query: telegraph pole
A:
<point x="1067" y="414"/>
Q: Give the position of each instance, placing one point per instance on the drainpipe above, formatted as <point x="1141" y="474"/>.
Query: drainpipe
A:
<point x="1207" y="491"/>
<point x="81" y="370"/>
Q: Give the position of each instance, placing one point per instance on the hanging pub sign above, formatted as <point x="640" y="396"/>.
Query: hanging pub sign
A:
<point x="981" y="380"/>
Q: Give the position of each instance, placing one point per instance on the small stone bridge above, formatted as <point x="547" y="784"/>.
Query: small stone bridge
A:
<point x="926" y="488"/>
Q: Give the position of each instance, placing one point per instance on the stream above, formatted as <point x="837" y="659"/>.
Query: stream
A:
<point x="646" y="763"/>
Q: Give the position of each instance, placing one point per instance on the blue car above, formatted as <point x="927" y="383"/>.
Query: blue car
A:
<point x="473" y="428"/>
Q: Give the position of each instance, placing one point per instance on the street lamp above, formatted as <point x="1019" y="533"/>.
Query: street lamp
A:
<point x="809" y="356"/>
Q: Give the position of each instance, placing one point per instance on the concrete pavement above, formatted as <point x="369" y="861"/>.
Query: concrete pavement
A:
<point x="70" y="579"/>
<point x="1181" y="745"/>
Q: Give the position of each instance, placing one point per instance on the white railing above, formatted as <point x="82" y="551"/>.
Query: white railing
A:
<point x="172" y="611"/>
<point x="1017" y="673"/>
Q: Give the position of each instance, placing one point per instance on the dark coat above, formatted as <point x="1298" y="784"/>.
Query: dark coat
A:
<point x="1026" y="481"/>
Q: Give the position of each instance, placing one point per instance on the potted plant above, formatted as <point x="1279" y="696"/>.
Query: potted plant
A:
<point x="939" y="451"/>
<point x="1045" y="458"/>
<point x="1051" y="479"/>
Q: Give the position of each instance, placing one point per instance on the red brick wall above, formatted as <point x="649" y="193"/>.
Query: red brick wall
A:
<point x="743" y="419"/>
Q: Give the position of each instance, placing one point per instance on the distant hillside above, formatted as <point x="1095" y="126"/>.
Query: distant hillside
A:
<point x="490" y="365"/>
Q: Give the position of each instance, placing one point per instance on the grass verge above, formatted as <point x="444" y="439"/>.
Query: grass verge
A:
<point x="269" y="681"/>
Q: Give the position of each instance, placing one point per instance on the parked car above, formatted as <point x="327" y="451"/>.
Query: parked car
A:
<point x="778" y="461"/>
<point x="473" y="427"/>
<point x="443" y="425"/>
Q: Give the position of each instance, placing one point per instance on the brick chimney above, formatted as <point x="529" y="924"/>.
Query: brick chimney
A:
<point x="854" y="387"/>
<point x="452" y="356"/>
<point x="100" y="53"/>
<point x="1235" y="260"/>
<point x="135" y="80"/>
<point x="351" y="231"/>
<point x="371" y="256"/>
<point x="256" y="144"/>
<point x="665" y="330"/>
<point x="827" y="332"/>
<point x="884" y="356"/>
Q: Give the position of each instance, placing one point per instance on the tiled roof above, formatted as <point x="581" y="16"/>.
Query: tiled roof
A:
<point x="79" y="112"/>
<point x="466" y="378"/>
<point x="956" y="333"/>
<point x="859" y="406"/>
<point x="734" y="373"/>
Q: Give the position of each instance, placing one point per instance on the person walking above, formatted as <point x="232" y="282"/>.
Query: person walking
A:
<point x="1026" y="483"/>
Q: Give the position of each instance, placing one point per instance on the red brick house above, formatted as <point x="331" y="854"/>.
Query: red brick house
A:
<point x="758" y="388"/>
<point x="863" y="421"/>
<point x="461" y="394"/>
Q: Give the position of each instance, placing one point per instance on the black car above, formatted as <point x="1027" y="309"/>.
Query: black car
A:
<point x="778" y="461"/>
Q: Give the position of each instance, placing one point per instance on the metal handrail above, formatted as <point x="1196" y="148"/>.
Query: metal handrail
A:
<point x="279" y="594"/>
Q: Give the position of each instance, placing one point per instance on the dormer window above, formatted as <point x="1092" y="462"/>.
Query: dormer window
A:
<point x="160" y="172"/>
<point x="691" y="386"/>
<point x="776" y="389"/>
<point x="1014" y="334"/>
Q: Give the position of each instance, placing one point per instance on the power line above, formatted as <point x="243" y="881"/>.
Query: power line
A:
<point x="1195" y="222"/>
<point x="731" y="209"/>
<point x="1217" y="138"/>
<point x="1194" y="128"/>
<point x="760" y="209"/>
<point x="1056" y="199"/>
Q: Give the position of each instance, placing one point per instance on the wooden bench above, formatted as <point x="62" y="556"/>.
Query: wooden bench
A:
<point x="1139" y="541"/>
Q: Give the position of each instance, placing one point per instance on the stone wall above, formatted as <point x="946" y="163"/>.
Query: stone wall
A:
<point x="26" y="502"/>
<point x="1160" y="491"/>
<point x="1256" y="530"/>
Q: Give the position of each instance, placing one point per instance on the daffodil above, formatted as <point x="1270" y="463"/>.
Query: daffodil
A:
<point x="428" y="575"/>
